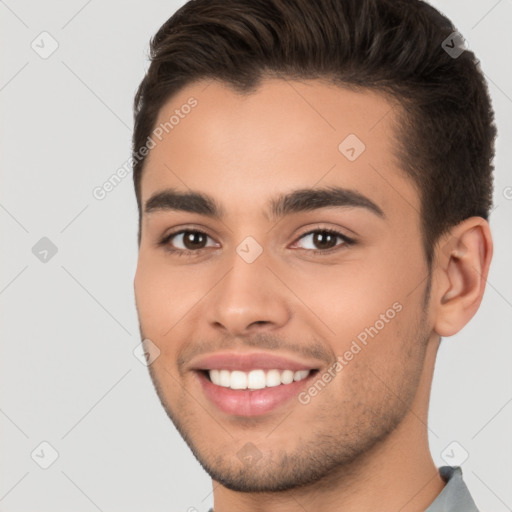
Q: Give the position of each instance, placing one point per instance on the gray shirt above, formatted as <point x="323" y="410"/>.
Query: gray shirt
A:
<point x="455" y="495"/>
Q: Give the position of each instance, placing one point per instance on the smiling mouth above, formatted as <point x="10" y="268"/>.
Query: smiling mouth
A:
<point x="245" y="395"/>
<point x="250" y="384"/>
<point x="255" y="379"/>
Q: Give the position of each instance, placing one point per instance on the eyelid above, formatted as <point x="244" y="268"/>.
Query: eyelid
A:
<point x="346" y="239"/>
<point x="168" y="236"/>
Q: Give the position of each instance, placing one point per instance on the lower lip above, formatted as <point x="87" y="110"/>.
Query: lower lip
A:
<point x="251" y="402"/>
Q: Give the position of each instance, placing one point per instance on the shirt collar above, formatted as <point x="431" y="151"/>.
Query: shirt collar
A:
<point x="455" y="495"/>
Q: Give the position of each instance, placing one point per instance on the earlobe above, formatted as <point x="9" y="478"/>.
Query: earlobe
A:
<point x="463" y="258"/>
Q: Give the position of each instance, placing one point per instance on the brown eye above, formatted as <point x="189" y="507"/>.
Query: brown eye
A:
<point x="187" y="241"/>
<point x="322" y="240"/>
<point x="194" y="240"/>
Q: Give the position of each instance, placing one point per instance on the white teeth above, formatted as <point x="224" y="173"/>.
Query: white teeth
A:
<point x="255" y="379"/>
<point x="287" y="377"/>
<point x="273" y="378"/>
<point x="215" y="377"/>
<point x="301" y="374"/>
<point x="238" y="380"/>
<point x="225" y="378"/>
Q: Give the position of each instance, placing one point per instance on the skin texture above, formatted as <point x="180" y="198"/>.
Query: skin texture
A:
<point x="361" y="443"/>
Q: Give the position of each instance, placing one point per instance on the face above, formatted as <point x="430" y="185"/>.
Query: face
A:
<point x="282" y="279"/>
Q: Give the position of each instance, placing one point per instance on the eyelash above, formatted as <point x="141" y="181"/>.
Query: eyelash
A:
<point x="323" y="252"/>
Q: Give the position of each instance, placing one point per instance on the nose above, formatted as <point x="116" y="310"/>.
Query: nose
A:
<point x="248" y="298"/>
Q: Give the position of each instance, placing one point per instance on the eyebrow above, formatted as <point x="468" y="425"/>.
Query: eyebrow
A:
<point x="301" y="200"/>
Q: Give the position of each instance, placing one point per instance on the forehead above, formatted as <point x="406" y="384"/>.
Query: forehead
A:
<point x="284" y="135"/>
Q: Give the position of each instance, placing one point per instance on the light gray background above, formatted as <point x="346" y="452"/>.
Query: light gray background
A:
<point x="68" y="329"/>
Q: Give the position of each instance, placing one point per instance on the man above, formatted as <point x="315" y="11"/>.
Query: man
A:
<point x="314" y="181"/>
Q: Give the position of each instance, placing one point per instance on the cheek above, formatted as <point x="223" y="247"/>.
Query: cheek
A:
<point x="155" y="295"/>
<point x="365" y="309"/>
<point x="379" y="377"/>
<point x="166" y="297"/>
<point x="146" y="294"/>
<point x="348" y="298"/>
<point x="157" y="316"/>
<point x="163" y="294"/>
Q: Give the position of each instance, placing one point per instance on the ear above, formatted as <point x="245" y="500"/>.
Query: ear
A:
<point x="462" y="260"/>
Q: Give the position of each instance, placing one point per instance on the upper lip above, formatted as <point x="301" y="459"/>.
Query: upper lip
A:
<point x="249" y="361"/>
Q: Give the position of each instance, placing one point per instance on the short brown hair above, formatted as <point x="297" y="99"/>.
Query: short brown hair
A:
<point x="445" y="132"/>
